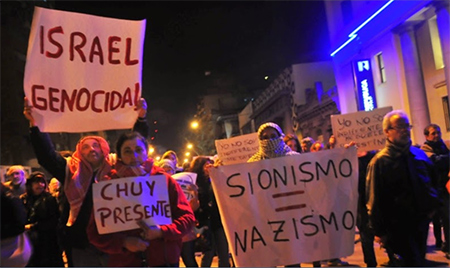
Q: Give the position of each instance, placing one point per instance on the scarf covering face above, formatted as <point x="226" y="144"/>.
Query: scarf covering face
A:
<point x="123" y="171"/>
<point x="271" y="148"/>
<point x="79" y="175"/>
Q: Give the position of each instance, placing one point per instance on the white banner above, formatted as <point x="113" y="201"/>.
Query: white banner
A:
<point x="119" y="203"/>
<point x="83" y="72"/>
<point x="290" y="209"/>
<point x="237" y="149"/>
<point x="365" y="128"/>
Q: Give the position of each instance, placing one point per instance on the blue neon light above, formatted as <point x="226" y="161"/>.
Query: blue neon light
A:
<point x="353" y="34"/>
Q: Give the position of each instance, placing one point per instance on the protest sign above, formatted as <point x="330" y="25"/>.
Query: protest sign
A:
<point x="83" y="72"/>
<point x="299" y="208"/>
<point x="237" y="149"/>
<point x="186" y="180"/>
<point x="365" y="128"/>
<point x="119" y="203"/>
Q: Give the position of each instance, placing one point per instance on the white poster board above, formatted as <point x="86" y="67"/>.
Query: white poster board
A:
<point x="186" y="180"/>
<point x="365" y="128"/>
<point x="291" y="209"/>
<point x="237" y="149"/>
<point x="119" y="203"/>
<point x="83" y="72"/>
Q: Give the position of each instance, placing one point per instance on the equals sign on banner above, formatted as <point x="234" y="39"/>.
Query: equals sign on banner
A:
<point x="297" y="206"/>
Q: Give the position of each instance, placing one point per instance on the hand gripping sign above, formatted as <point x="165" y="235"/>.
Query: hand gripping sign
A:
<point x="120" y="203"/>
<point x="290" y="209"/>
<point x="83" y="72"/>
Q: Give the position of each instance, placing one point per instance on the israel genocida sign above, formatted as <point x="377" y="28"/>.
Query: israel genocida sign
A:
<point x="365" y="87"/>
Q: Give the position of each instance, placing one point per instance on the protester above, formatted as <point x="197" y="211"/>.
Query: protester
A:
<point x="331" y="142"/>
<point x="16" y="248"/>
<point x="208" y="214"/>
<point x="159" y="245"/>
<point x="306" y="144"/>
<point x="316" y="146"/>
<point x="168" y="166"/>
<point x="171" y="155"/>
<point x="16" y="180"/>
<point x="271" y="143"/>
<point x="42" y="220"/>
<point x="89" y="163"/>
<point x="400" y="198"/>
<point x="438" y="153"/>
<point x="292" y="141"/>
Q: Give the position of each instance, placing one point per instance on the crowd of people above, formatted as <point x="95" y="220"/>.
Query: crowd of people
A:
<point x="402" y="188"/>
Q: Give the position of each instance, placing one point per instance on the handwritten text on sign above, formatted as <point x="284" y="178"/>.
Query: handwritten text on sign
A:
<point x="365" y="128"/>
<point x="299" y="208"/>
<point x="82" y="68"/>
<point x="119" y="203"/>
<point x="237" y="149"/>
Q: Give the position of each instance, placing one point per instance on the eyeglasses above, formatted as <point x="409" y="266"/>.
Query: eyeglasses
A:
<point x="401" y="127"/>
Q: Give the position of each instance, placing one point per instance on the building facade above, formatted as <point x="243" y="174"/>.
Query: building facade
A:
<point x="404" y="48"/>
<point x="296" y="101"/>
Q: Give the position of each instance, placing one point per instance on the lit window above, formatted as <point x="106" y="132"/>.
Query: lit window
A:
<point x="436" y="44"/>
<point x="381" y="70"/>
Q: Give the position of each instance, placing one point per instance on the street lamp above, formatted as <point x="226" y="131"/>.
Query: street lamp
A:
<point x="187" y="154"/>
<point x="190" y="146"/>
<point x="194" y="124"/>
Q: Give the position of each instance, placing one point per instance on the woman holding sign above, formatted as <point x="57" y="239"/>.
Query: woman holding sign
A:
<point x="158" y="245"/>
<point x="89" y="163"/>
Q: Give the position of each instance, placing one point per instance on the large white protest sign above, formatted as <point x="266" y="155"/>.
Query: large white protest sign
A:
<point x="186" y="180"/>
<point x="237" y="149"/>
<point x="290" y="209"/>
<point x="365" y="128"/>
<point x="119" y="203"/>
<point x="83" y="72"/>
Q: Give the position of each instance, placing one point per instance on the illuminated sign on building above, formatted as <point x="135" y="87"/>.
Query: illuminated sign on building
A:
<point x="365" y="87"/>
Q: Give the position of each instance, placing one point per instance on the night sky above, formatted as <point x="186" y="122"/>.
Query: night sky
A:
<point x="247" y="40"/>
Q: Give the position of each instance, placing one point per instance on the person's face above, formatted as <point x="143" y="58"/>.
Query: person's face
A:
<point x="269" y="133"/>
<point x="169" y="170"/>
<point x="305" y="147"/>
<point x="399" y="131"/>
<point x="133" y="152"/>
<point x="17" y="177"/>
<point x="434" y="134"/>
<point x="38" y="187"/>
<point x="173" y="158"/>
<point x="206" y="167"/>
<point x="92" y="152"/>
<point x="292" y="144"/>
<point x="316" y="147"/>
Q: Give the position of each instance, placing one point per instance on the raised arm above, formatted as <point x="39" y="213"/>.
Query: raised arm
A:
<point x="141" y="124"/>
<point x="43" y="148"/>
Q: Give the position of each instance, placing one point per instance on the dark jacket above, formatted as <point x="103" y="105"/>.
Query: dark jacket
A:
<point x="398" y="187"/>
<point x="439" y="155"/>
<point x="43" y="214"/>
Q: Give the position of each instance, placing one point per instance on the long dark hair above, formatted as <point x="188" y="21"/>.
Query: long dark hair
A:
<point x="129" y="136"/>
<point x="197" y="165"/>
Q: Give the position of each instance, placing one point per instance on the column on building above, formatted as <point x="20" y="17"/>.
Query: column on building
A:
<point x="418" y="105"/>
<point x="442" y="8"/>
